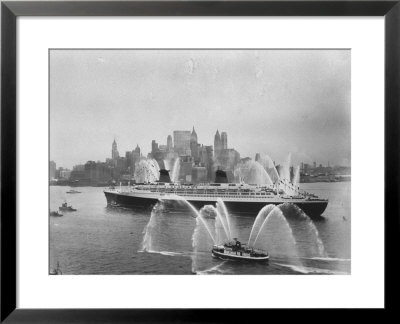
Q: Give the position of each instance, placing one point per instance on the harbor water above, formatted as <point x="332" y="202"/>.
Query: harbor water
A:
<point x="97" y="239"/>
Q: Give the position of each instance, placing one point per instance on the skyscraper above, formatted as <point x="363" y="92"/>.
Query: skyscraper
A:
<point x="182" y="142"/>
<point x="114" y="151"/>
<point x="137" y="149"/>
<point x="135" y="158"/>
<point x="193" y="136"/>
<point x="224" y="140"/>
<point x="128" y="158"/>
<point x="154" y="147"/>
<point x="193" y="145"/>
<point x="217" y="144"/>
<point x="209" y="161"/>
<point x="169" y="143"/>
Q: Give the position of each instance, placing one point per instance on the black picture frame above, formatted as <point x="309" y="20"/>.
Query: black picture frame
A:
<point x="10" y="10"/>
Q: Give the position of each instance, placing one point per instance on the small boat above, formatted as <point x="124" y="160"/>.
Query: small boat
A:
<point x="65" y="207"/>
<point x="56" y="271"/>
<point x="73" y="191"/>
<point x="237" y="251"/>
<point x="55" y="213"/>
<point x="114" y="204"/>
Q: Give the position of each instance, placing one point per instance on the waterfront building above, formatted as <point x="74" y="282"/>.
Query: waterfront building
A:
<point x="128" y="159"/>
<point x="182" y="142"/>
<point x="78" y="167"/>
<point x="78" y="174"/>
<point x="90" y="170"/>
<point x="154" y="147"/>
<point x="120" y="168"/>
<point x="224" y="141"/>
<point x="169" y="143"/>
<point x="199" y="174"/>
<point x="225" y="158"/>
<point x="59" y="172"/>
<point x="97" y="173"/>
<point x="64" y="174"/>
<point x="52" y="170"/>
<point x="185" y="170"/>
<point x="135" y="158"/>
<point x="163" y="148"/>
<point x="156" y="153"/>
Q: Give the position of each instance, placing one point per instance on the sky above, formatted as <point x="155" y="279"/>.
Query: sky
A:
<point x="271" y="102"/>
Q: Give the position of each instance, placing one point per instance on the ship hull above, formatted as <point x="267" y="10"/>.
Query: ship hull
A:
<point x="311" y="208"/>
<point x="239" y="257"/>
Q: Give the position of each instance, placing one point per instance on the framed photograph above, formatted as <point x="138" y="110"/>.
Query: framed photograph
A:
<point x="195" y="155"/>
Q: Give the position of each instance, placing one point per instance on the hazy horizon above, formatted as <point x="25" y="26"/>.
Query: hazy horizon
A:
<point x="271" y="102"/>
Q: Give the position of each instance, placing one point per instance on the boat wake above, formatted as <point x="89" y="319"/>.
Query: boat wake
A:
<point x="272" y="230"/>
<point x="311" y="270"/>
<point x="168" y="253"/>
<point x="214" y="270"/>
<point x="328" y="259"/>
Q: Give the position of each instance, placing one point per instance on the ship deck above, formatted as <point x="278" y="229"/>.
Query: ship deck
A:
<point x="249" y="199"/>
<point x="213" y="196"/>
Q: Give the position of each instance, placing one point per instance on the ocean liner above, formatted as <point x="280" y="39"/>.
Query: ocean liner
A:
<point x="238" y="197"/>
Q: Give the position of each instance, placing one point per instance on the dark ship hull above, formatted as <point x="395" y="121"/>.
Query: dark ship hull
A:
<point x="239" y="257"/>
<point x="238" y="252"/>
<point x="311" y="208"/>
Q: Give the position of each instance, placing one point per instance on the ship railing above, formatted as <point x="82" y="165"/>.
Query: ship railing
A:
<point x="202" y="194"/>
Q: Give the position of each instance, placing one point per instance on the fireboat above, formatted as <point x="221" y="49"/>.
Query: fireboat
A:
<point x="237" y="251"/>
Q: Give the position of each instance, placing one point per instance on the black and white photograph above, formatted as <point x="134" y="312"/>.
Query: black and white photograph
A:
<point x="200" y="161"/>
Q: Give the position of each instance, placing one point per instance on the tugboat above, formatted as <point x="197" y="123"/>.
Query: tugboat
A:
<point x="237" y="251"/>
<point x="65" y="207"/>
<point x="56" y="213"/>
<point x="73" y="191"/>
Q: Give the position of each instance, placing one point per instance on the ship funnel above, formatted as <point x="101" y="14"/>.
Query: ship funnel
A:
<point x="221" y="177"/>
<point x="164" y="176"/>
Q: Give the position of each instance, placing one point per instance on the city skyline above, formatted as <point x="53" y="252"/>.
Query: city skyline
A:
<point x="189" y="161"/>
<point x="269" y="102"/>
<point x="116" y="153"/>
